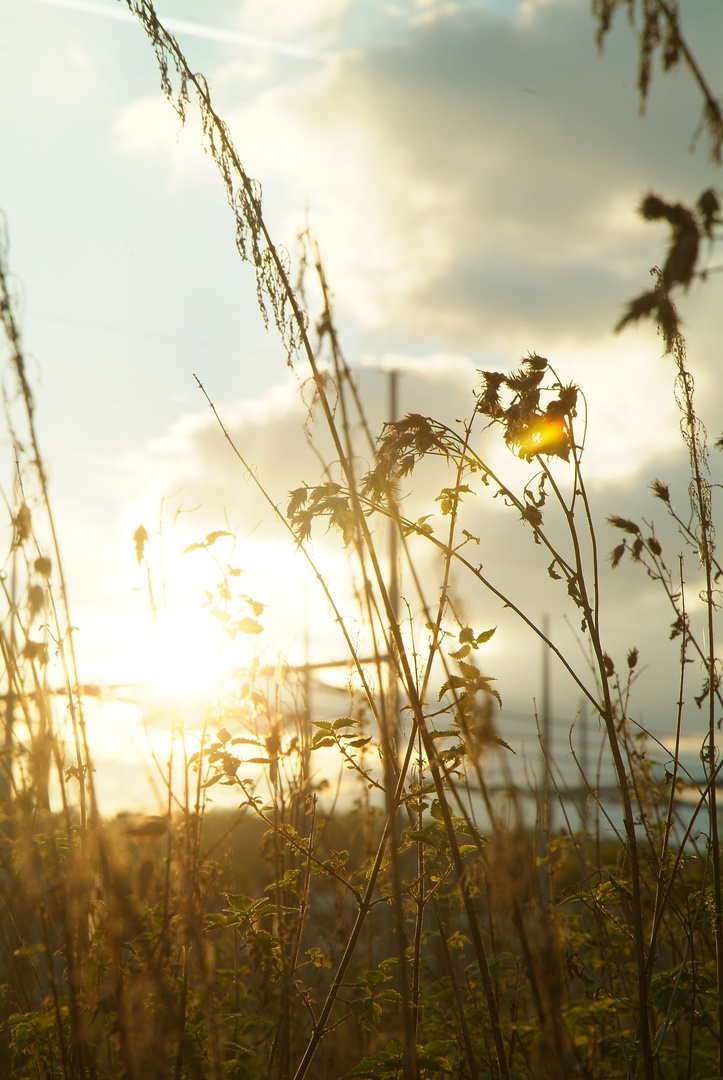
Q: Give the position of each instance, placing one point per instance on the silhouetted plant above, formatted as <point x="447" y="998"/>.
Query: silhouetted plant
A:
<point x="418" y="934"/>
<point x="688" y="228"/>
<point x="657" y="26"/>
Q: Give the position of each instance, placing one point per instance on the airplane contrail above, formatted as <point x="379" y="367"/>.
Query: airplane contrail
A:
<point x="192" y="29"/>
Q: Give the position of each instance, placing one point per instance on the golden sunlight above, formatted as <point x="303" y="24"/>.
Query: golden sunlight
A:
<point x="201" y="622"/>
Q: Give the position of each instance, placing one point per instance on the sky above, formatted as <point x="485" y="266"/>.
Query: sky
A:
<point x="471" y="171"/>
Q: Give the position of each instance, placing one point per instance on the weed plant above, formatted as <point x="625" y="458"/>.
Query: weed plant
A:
<point x="425" y="931"/>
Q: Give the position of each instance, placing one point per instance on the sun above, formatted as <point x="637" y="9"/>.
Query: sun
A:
<point x="201" y="622"/>
<point x="186" y="656"/>
<point x="210" y="605"/>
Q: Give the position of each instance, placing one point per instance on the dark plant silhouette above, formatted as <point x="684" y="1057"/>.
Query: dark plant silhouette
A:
<point x="657" y="26"/>
<point x="688" y="228"/>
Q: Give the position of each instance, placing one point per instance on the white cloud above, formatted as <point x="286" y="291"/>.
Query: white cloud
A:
<point x="435" y="367"/>
<point x="148" y="127"/>
<point x="192" y="465"/>
<point x="474" y="180"/>
<point x="314" y="21"/>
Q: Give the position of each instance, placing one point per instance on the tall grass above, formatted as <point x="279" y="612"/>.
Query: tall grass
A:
<point x="422" y="930"/>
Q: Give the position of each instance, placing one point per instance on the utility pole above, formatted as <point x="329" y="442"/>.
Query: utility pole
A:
<point x="393" y="694"/>
<point x="546" y="729"/>
<point x="393" y="534"/>
<point x="584" y="755"/>
<point x="6" y="767"/>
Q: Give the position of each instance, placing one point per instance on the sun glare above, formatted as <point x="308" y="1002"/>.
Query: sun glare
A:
<point x="186" y="656"/>
<point x="200" y="621"/>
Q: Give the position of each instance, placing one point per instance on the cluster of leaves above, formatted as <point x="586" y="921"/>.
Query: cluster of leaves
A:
<point x="647" y="551"/>
<point x="530" y="429"/>
<point x="688" y="226"/>
<point x="225" y="602"/>
<point x="326" y="500"/>
<point x="659" y="34"/>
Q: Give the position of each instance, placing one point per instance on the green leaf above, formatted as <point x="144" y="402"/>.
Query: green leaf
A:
<point x="367" y="1013"/>
<point x="240" y="902"/>
<point x="372" y="979"/>
<point x="30" y="950"/>
<point x="287" y="879"/>
<point x="429" y="1058"/>
<point x="426" y="835"/>
<point x="318" y="959"/>
<point x="265" y="940"/>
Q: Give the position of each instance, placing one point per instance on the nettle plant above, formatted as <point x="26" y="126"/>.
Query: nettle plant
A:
<point x="425" y="932"/>
<point x="536" y="412"/>
<point x="534" y="1007"/>
<point x="637" y="926"/>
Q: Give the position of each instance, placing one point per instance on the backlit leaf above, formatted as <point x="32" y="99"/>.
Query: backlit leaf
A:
<point x="501" y="742"/>
<point x="455" y="682"/>
<point x="212" y="537"/>
<point x="297" y="499"/>
<point x="191" y="547"/>
<point x="461" y="653"/>
<point x="140" y="539"/>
